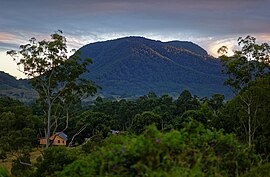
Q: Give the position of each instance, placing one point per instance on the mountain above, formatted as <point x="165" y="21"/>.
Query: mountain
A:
<point x="133" y="66"/>
<point x="16" y="89"/>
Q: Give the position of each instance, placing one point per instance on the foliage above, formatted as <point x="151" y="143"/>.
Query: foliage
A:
<point x="22" y="166"/>
<point x="193" y="151"/>
<point x="140" y="121"/>
<point x="259" y="171"/>
<point x="124" y="111"/>
<point x="53" y="75"/>
<point x="18" y="126"/>
<point x="54" y="159"/>
<point x="16" y="89"/>
<point x="93" y="123"/>
<point x="133" y="66"/>
<point x="216" y="101"/>
<point x="234" y="117"/>
<point x="186" y="101"/>
<point x="93" y="143"/>
<point x="245" y="65"/>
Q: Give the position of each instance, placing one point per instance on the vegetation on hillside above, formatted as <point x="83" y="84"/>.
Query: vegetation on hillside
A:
<point x="139" y="65"/>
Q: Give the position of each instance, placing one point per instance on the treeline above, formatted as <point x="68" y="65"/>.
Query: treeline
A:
<point x="191" y="136"/>
<point x="167" y="114"/>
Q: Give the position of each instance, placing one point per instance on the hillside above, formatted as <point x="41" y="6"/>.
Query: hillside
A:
<point x="16" y="89"/>
<point x="133" y="66"/>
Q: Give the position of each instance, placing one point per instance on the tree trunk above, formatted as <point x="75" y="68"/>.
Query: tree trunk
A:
<point x="48" y="133"/>
<point x="249" y="126"/>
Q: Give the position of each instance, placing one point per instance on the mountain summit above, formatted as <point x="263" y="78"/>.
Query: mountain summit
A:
<point x="134" y="66"/>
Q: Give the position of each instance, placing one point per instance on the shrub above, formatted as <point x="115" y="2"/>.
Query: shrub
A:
<point x="19" y="169"/>
<point x="259" y="171"/>
<point x="193" y="151"/>
<point x="54" y="159"/>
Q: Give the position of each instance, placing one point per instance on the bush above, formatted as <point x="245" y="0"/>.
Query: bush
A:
<point x="93" y="144"/>
<point x="259" y="171"/>
<point x="54" y="159"/>
<point x="18" y="169"/>
<point x="193" y="151"/>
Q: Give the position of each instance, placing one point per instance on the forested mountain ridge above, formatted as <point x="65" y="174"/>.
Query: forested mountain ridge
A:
<point x="7" y="80"/>
<point x="133" y="66"/>
<point x="16" y="89"/>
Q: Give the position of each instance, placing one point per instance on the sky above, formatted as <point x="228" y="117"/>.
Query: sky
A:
<point x="208" y="23"/>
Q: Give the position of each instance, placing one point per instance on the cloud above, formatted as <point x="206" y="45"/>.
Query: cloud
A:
<point x="263" y="38"/>
<point x="6" y="36"/>
<point x="7" y="41"/>
<point x="230" y="43"/>
<point x="200" y="16"/>
<point x="209" y="23"/>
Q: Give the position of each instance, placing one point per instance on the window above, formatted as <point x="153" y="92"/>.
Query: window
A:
<point x="63" y="142"/>
<point x="58" y="141"/>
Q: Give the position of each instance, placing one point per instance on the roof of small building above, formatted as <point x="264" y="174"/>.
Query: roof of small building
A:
<point x="62" y="135"/>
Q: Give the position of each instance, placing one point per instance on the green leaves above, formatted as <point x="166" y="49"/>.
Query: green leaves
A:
<point x="55" y="77"/>
<point x="140" y="121"/>
<point x="192" y="151"/>
<point x="245" y="65"/>
<point x="54" y="159"/>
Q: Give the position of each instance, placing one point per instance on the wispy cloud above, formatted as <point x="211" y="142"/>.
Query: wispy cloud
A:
<point x="209" y="23"/>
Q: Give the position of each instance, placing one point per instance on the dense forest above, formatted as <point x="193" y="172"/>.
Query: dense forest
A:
<point x="133" y="66"/>
<point x="148" y="136"/>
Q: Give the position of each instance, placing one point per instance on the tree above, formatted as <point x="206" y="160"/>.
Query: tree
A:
<point x="92" y="123"/>
<point x="22" y="166"/>
<point x="186" y="102"/>
<point x="140" y="121"/>
<point x="250" y="120"/>
<point x="18" y="126"/>
<point x="53" y="160"/>
<point x="53" y="75"/>
<point x="216" y="102"/>
<point x="245" y="66"/>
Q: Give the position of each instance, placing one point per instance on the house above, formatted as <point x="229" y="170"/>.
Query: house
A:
<point x="114" y="132"/>
<point x="59" y="139"/>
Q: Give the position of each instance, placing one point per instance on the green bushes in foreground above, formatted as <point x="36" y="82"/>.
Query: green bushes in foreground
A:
<point x="192" y="151"/>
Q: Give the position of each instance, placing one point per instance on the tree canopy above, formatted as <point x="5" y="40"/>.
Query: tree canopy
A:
<point x="53" y="75"/>
<point x="246" y="64"/>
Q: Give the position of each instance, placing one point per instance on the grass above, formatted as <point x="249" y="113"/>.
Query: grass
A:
<point x="7" y="163"/>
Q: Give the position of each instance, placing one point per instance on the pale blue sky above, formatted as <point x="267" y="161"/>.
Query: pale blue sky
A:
<point x="209" y="23"/>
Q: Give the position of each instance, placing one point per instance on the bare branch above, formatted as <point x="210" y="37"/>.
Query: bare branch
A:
<point x="76" y="134"/>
